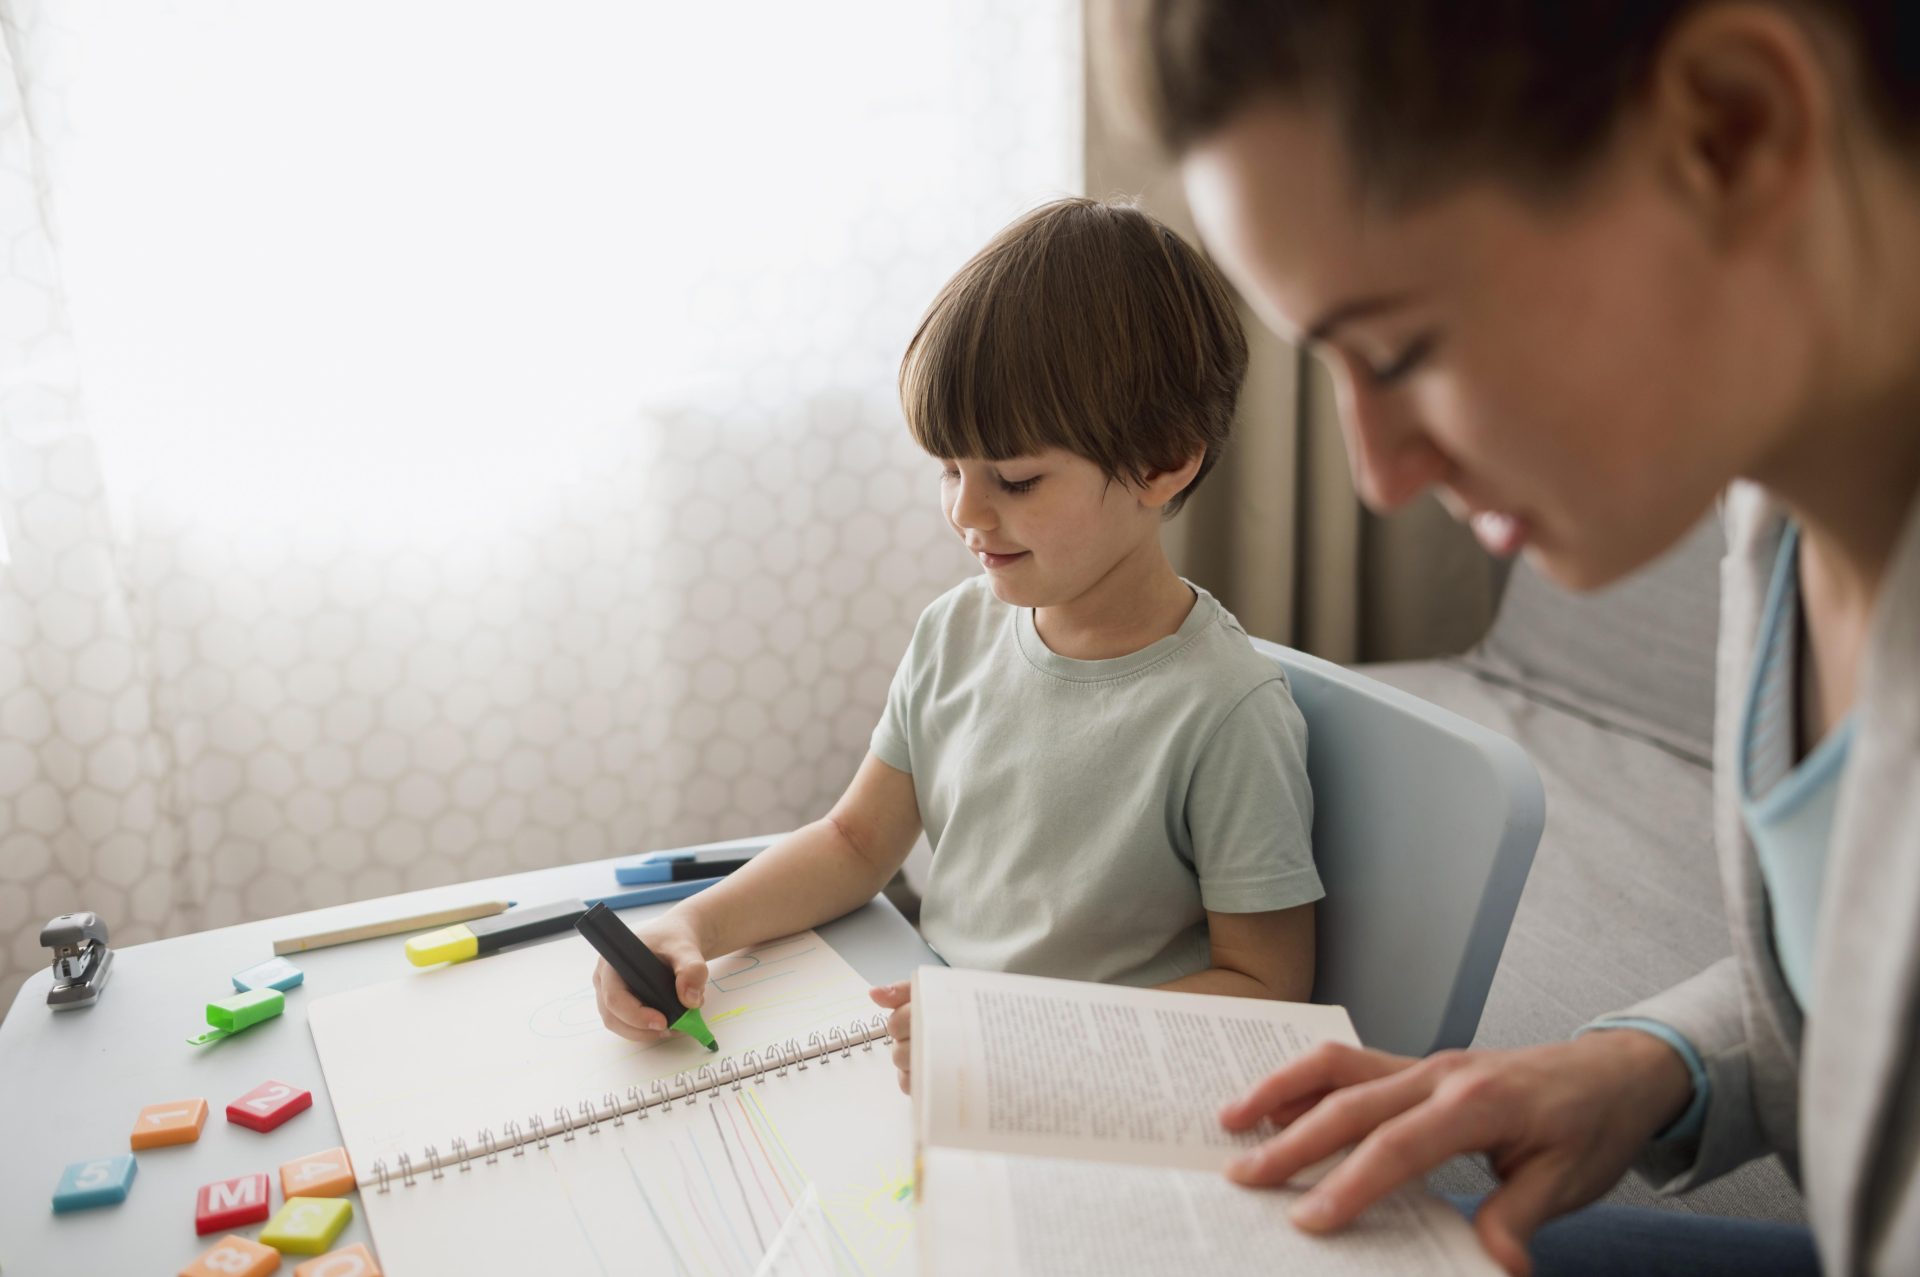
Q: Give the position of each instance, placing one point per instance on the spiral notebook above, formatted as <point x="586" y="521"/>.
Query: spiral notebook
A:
<point x="496" y="1127"/>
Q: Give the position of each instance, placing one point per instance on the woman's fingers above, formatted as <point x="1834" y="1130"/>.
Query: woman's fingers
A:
<point x="898" y="997"/>
<point x="1340" y="1120"/>
<point x="892" y="995"/>
<point x="1327" y="1067"/>
<point x="1513" y="1213"/>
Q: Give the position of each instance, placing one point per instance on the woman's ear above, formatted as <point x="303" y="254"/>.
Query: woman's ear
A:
<point x="1162" y="486"/>
<point x="1738" y="105"/>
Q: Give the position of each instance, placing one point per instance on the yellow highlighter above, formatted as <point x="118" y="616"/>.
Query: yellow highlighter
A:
<point x="484" y="935"/>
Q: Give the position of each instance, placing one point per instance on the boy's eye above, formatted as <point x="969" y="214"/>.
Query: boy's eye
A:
<point x="949" y="472"/>
<point x="1024" y="485"/>
<point x="1409" y="359"/>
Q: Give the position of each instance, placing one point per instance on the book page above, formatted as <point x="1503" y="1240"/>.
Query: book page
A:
<point x="1023" y="1064"/>
<point x="995" y="1213"/>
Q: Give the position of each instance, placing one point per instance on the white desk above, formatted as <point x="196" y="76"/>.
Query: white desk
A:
<point x="72" y="1082"/>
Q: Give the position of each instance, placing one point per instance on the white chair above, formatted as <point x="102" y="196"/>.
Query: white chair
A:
<point x="1424" y="827"/>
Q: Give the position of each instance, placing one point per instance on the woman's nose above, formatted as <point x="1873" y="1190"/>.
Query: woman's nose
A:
<point x="1392" y="459"/>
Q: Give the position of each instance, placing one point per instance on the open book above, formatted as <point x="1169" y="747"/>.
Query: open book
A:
<point x="1064" y="1128"/>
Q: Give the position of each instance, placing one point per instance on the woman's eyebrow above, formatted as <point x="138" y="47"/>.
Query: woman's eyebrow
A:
<point x="1348" y="311"/>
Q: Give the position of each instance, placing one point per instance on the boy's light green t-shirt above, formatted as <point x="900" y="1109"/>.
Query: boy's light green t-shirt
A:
<point x="1085" y="815"/>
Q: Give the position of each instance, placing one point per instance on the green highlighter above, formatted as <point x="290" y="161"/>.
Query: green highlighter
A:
<point x="229" y="1016"/>
<point x="645" y="976"/>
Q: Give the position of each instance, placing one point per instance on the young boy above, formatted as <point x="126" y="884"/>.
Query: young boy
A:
<point x="1112" y="780"/>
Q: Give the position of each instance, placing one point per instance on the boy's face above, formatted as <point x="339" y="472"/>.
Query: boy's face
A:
<point x="1047" y="528"/>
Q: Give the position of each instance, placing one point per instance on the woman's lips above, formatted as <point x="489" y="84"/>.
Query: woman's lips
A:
<point x="1499" y="534"/>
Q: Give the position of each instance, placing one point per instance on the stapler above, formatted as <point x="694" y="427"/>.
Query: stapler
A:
<point x="81" y="959"/>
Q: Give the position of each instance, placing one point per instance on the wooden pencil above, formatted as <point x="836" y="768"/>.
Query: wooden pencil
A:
<point x="390" y="927"/>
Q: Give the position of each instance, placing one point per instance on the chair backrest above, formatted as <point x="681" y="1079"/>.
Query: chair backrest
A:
<point x="1424" y="828"/>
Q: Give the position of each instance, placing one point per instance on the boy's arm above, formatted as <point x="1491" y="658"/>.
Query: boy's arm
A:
<point x="816" y="873"/>
<point x="1257" y="955"/>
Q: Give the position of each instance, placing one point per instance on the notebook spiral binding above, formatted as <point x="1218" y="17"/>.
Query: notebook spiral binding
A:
<point x="685" y="1088"/>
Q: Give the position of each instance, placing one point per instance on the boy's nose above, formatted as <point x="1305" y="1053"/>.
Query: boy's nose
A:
<point x="971" y="508"/>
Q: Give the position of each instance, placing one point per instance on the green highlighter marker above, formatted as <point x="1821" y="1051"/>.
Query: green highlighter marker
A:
<point x="645" y="976"/>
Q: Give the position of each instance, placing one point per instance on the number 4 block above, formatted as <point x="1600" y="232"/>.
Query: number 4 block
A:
<point x="327" y="1174"/>
<point x="269" y="1104"/>
<point x="234" y="1256"/>
<point x="229" y="1203"/>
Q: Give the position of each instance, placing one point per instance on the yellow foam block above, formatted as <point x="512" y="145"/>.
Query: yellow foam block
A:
<point x="348" y="1261"/>
<point x="307" y="1225"/>
<point x="234" y="1256"/>
<point x="175" y="1122"/>
<point x="326" y="1174"/>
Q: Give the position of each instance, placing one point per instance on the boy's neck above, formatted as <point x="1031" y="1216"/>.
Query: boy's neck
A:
<point x="1140" y="601"/>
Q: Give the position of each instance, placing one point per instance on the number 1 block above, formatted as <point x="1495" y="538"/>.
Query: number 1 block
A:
<point x="234" y="1256"/>
<point x="229" y="1203"/>
<point x="269" y="1104"/>
<point x="178" y="1122"/>
<point x="307" y="1225"/>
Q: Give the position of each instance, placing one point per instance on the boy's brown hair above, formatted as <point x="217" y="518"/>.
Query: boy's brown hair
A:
<point x="1085" y="325"/>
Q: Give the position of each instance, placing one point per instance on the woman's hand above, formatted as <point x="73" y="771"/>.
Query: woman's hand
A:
<point x="1559" y="1123"/>
<point x="673" y="941"/>
<point x="898" y="999"/>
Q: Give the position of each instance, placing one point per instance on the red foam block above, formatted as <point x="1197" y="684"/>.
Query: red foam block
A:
<point x="231" y="1203"/>
<point x="268" y="1104"/>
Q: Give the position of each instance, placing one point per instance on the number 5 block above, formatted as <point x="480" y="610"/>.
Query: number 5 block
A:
<point x="269" y="1104"/>
<point x="234" y="1256"/>
<point x="101" y="1182"/>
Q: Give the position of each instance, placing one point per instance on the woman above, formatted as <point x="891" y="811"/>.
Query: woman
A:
<point x="1585" y="267"/>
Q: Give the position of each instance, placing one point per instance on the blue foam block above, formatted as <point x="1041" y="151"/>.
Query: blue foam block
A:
<point x="274" y="973"/>
<point x="104" y="1181"/>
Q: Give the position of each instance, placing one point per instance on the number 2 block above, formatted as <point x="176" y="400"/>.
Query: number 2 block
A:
<point x="234" y="1256"/>
<point x="269" y="1104"/>
<point x="230" y="1203"/>
<point x="178" y="1122"/>
<point x="307" y="1225"/>
<point x="101" y="1182"/>
<point x="348" y="1261"/>
<point x="327" y="1174"/>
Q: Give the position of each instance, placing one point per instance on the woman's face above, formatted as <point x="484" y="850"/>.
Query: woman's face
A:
<point x="1578" y="381"/>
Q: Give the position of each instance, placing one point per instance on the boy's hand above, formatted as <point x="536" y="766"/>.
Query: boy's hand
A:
<point x="673" y="942"/>
<point x="897" y="998"/>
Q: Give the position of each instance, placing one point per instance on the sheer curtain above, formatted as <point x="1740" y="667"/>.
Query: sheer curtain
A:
<point x="447" y="439"/>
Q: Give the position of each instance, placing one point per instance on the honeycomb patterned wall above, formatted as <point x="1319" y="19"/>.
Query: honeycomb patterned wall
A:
<point x="210" y="715"/>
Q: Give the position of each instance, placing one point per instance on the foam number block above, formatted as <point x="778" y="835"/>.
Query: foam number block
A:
<point x="274" y="973"/>
<point x="231" y="1203"/>
<point x="234" y="1256"/>
<point x="178" y="1122"/>
<point x="101" y="1182"/>
<point x="327" y="1174"/>
<point x="348" y="1261"/>
<point x="307" y="1225"/>
<point x="269" y="1104"/>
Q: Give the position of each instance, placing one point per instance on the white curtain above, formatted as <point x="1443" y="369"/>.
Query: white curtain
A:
<point x="448" y="439"/>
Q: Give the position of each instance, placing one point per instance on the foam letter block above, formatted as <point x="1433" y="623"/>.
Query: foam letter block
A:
<point x="307" y="1225"/>
<point x="101" y="1182"/>
<point x="176" y="1123"/>
<point x="327" y="1174"/>
<point x="348" y="1261"/>
<point x="234" y="1256"/>
<point x="274" y="973"/>
<point x="269" y="1104"/>
<point x="231" y="1203"/>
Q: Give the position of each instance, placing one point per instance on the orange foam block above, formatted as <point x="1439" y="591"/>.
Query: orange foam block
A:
<point x="348" y="1261"/>
<point x="327" y="1174"/>
<point x="234" y="1256"/>
<point x="178" y="1122"/>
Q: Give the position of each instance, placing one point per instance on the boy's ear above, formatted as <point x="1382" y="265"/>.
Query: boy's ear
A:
<point x="1162" y="486"/>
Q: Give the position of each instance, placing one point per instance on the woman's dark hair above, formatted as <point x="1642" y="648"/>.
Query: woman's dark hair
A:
<point x="1422" y="89"/>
